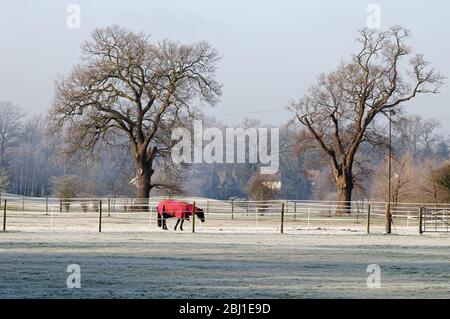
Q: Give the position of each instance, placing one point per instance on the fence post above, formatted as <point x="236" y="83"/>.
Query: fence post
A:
<point x="193" y="218"/>
<point x="295" y="210"/>
<point x="109" y="207"/>
<point x="4" y="215"/>
<point x="23" y="204"/>
<point x="369" y="207"/>
<point x="420" y="220"/>
<point x="100" y="218"/>
<point x="232" y="209"/>
<point x="388" y="218"/>
<point x="282" y="218"/>
<point x="357" y="212"/>
<point x="46" y="205"/>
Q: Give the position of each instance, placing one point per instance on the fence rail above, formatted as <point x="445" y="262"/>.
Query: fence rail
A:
<point x="283" y="216"/>
<point x="435" y="220"/>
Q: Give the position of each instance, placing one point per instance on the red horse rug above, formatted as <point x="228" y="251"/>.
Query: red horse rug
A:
<point x="177" y="209"/>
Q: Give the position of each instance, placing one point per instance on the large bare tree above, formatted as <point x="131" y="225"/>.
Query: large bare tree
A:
<point x="128" y="84"/>
<point x="418" y="136"/>
<point x="339" y="111"/>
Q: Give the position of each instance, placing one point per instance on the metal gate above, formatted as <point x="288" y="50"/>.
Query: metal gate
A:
<point x="434" y="220"/>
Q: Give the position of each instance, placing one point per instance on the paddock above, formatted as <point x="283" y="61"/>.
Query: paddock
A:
<point x="277" y="249"/>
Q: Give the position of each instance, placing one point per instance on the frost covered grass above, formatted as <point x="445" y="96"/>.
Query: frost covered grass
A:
<point x="149" y="263"/>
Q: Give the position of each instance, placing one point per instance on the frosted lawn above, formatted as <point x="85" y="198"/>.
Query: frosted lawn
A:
<point x="212" y="264"/>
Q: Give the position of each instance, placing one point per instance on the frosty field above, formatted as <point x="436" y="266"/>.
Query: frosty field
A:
<point x="214" y="264"/>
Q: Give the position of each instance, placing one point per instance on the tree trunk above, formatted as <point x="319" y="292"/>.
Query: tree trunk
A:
<point x="144" y="172"/>
<point x="344" y="184"/>
<point x="345" y="201"/>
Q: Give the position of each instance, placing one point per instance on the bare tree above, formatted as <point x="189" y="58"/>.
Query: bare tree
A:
<point x="11" y="117"/>
<point x="340" y="110"/>
<point x="430" y="188"/>
<point x="66" y="186"/>
<point x="128" y="84"/>
<point x="31" y="158"/>
<point x="404" y="180"/>
<point x="260" y="188"/>
<point x="169" y="180"/>
<point x="442" y="177"/>
<point x="418" y="136"/>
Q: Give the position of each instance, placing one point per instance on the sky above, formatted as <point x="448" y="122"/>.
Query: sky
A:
<point x="272" y="50"/>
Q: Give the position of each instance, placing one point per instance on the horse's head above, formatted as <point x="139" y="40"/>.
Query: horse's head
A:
<point x="200" y="214"/>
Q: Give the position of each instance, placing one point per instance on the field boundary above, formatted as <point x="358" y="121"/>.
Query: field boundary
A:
<point x="97" y="214"/>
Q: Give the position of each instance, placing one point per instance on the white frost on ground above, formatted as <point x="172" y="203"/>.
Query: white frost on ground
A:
<point x="222" y="260"/>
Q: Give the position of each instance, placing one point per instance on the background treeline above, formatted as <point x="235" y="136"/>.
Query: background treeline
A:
<point x="34" y="163"/>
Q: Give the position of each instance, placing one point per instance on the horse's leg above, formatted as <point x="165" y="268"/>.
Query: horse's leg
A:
<point x="182" y="222"/>
<point x="159" y="219"/>
<point x="164" y="222"/>
<point x="176" y="225"/>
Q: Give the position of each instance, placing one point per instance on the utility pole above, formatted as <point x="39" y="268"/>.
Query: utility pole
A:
<point x="388" y="226"/>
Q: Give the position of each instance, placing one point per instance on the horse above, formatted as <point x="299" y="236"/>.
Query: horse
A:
<point x="181" y="210"/>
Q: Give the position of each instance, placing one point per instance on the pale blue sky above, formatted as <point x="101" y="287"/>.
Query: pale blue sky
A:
<point x="272" y="50"/>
